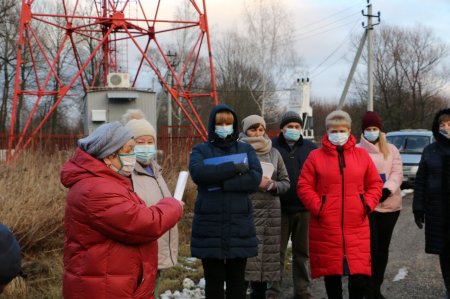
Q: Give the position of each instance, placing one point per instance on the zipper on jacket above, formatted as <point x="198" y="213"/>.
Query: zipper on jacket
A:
<point x="342" y="165"/>
<point x="321" y="207"/>
<point x="342" y="224"/>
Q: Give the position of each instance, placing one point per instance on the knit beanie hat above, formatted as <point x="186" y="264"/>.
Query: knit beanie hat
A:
<point x="252" y="120"/>
<point x="371" y="119"/>
<point x="134" y="120"/>
<point x="105" y="140"/>
<point x="338" y="117"/>
<point x="9" y="256"/>
<point x="290" y="116"/>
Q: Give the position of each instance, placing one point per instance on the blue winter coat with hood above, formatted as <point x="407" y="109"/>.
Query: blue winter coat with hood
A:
<point x="223" y="226"/>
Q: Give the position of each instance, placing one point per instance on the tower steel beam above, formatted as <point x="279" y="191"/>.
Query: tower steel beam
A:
<point x="104" y="25"/>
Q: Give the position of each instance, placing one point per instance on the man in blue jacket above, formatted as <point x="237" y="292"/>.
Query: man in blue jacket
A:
<point x="294" y="217"/>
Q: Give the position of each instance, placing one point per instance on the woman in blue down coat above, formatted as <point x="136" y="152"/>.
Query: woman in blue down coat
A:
<point x="223" y="231"/>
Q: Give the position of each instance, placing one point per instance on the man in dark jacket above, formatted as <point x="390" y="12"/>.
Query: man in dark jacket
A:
<point x="431" y="203"/>
<point x="294" y="217"/>
<point x="9" y="257"/>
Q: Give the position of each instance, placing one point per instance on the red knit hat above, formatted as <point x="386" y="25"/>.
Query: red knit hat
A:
<point x="371" y="119"/>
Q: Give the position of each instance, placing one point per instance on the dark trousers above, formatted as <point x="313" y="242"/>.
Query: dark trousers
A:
<point x="231" y="271"/>
<point x="444" y="261"/>
<point x="295" y="227"/>
<point x="357" y="286"/>
<point x="258" y="289"/>
<point x="381" y="228"/>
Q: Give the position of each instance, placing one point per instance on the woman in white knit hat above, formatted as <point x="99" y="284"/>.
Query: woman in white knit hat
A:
<point x="149" y="183"/>
<point x="265" y="268"/>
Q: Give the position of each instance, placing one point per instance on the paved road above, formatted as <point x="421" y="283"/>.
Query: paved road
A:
<point x="421" y="273"/>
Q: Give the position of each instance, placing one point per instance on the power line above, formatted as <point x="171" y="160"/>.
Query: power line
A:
<point x="300" y="33"/>
<point x="335" y="50"/>
<point x="333" y="14"/>
<point x="324" y="31"/>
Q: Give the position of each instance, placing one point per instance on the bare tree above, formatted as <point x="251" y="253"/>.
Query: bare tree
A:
<point x="409" y="76"/>
<point x="269" y="32"/>
<point x="256" y="59"/>
<point x="8" y="48"/>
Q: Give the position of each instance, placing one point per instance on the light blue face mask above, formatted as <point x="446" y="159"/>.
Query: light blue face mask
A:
<point x="224" y="131"/>
<point x="292" y="134"/>
<point x="372" y="135"/>
<point x="144" y="153"/>
<point x="338" y="138"/>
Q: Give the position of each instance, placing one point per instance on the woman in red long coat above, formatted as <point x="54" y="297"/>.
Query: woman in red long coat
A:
<point x="340" y="186"/>
<point x="110" y="245"/>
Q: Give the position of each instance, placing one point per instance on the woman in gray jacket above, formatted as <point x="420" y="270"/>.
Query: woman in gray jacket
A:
<point x="265" y="267"/>
<point x="149" y="183"/>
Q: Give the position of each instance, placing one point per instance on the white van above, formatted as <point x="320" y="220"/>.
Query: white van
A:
<point x="410" y="143"/>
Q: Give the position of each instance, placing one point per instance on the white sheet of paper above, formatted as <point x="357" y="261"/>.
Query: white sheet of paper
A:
<point x="181" y="185"/>
<point x="268" y="169"/>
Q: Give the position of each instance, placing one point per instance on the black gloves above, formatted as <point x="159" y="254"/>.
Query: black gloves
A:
<point x="241" y="168"/>
<point x="385" y="194"/>
<point x="419" y="218"/>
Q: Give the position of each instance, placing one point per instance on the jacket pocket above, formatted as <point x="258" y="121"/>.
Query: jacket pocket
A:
<point x="323" y="199"/>
<point x="365" y="206"/>
<point x="144" y="281"/>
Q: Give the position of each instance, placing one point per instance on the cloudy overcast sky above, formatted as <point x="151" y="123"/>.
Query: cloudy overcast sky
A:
<point x="323" y="28"/>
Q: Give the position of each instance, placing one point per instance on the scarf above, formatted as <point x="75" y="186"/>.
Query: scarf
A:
<point x="262" y="144"/>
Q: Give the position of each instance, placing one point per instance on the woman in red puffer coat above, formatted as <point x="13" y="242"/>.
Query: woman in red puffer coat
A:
<point x="340" y="186"/>
<point x="110" y="245"/>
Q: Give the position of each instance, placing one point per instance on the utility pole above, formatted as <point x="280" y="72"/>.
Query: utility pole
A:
<point x="367" y="36"/>
<point x="172" y="59"/>
<point x="370" y="57"/>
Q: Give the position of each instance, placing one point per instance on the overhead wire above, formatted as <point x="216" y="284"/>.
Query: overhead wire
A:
<point x="313" y="30"/>
<point x="344" y="40"/>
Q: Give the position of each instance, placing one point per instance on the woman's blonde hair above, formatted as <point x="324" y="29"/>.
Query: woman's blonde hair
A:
<point x="383" y="145"/>
<point x="224" y="117"/>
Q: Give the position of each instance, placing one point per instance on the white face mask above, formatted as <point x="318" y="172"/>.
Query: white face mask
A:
<point x="444" y="133"/>
<point x="127" y="163"/>
<point x="372" y="135"/>
<point x="338" y="139"/>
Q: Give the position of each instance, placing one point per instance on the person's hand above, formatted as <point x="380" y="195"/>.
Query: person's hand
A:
<point x="264" y="181"/>
<point x="367" y="209"/>
<point x="385" y="194"/>
<point x="419" y="218"/>
<point x="241" y="168"/>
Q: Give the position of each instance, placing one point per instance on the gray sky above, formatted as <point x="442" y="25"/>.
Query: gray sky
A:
<point x="323" y="28"/>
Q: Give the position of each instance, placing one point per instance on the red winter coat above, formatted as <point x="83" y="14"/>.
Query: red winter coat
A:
<point x="339" y="226"/>
<point x="110" y="247"/>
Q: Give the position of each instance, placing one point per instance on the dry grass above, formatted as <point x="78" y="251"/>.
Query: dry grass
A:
<point x="32" y="206"/>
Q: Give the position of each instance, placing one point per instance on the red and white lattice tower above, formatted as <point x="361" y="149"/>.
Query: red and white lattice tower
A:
<point x="139" y="23"/>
